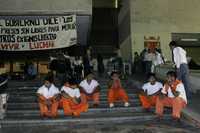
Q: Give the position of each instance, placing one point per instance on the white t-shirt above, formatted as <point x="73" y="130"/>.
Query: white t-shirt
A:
<point x="158" y="59"/>
<point x="89" y="88"/>
<point x="71" y="92"/>
<point x="179" y="56"/>
<point x="48" y="93"/>
<point x="180" y="88"/>
<point x="149" y="56"/>
<point x="151" y="89"/>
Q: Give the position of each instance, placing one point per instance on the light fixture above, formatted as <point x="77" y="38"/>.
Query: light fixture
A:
<point x="189" y="39"/>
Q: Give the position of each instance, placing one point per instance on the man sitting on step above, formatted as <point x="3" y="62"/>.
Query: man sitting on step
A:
<point x="89" y="88"/>
<point x="172" y="95"/>
<point x="72" y="102"/>
<point x="48" y="98"/>
<point x="116" y="92"/>
<point x="150" y="92"/>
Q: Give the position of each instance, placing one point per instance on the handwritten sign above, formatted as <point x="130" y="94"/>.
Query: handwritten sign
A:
<point x="22" y="34"/>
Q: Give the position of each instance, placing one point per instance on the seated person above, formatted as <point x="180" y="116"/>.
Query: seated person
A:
<point x="172" y="95"/>
<point x="150" y="92"/>
<point x="116" y="92"/>
<point x="48" y="98"/>
<point x="90" y="89"/>
<point x="72" y="102"/>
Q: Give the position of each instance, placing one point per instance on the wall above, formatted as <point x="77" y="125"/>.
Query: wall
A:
<point x="124" y="30"/>
<point x="161" y="18"/>
<point x="46" y="6"/>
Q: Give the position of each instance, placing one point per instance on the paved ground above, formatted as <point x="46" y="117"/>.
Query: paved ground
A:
<point x="149" y="127"/>
<point x="194" y="103"/>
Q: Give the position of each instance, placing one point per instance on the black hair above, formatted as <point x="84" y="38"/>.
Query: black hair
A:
<point x="70" y="80"/>
<point x="49" y="78"/>
<point x="114" y="72"/>
<point x="88" y="73"/>
<point x="151" y="75"/>
<point x="172" y="74"/>
<point x="173" y="43"/>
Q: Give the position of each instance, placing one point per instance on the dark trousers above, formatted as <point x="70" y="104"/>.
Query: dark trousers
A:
<point x="183" y="75"/>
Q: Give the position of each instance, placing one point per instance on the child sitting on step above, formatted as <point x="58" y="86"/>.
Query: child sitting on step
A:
<point x="172" y="95"/>
<point x="72" y="102"/>
<point x="48" y="98"/>
<point x="90" y="89"/>
<point x="150" y="92"/>
<point x="116" y="92"/>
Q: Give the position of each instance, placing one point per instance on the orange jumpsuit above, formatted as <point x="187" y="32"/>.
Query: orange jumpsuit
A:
<point x="72" y="108"/>
<point x="116" y="92"/>
<point x="148" y="102"/>
<point x="90" y="90"/>
<point x="95" y="97"/>
<point x="52" y="110"/>
<point x="177" y="103"/>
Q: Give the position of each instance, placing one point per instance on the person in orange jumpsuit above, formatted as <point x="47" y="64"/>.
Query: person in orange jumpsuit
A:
<point x="172" y="95"/>
<point x="48" y="98"/>
<point x="89" y="88"/>
<point x="150" y="92"/>
<point x="72" y="102"/>
<point x="116" y="91"/>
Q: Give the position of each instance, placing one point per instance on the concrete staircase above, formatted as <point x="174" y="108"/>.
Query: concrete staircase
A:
<point x="23" y="109"/>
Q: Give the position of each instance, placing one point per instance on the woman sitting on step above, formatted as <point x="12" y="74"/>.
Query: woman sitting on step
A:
<point x="150" y="92"/>
<point x="48" y="98"/>
<point x="116" y="92"/>
<point x="72" y="102"/>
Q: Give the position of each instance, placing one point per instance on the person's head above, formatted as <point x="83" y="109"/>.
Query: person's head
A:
<point x="171" y="76"/>
<point x="66" y="82"/>
<point x="173" y="44"/>
<point x="90" y="76"/>
<point x="136" y="54"/>
<point x="114" y="75"/>
<point x="48" y="81"/>
<point x="72" y="82"/>
<point x="152" y="78"/>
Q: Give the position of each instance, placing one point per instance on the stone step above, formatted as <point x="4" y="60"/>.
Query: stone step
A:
<point x="32" y="88"/>
<point x="25" y="99"/>
<point x="103" y="118"/>
<point x="33" y="92"/>
<point x="25" y="113"/>
<point x="18" y="83"/>
<point x="24" y="94"/>
<point x="32" y="106"/>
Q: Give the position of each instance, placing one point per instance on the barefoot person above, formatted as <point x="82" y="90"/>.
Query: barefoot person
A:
<point x="150" y="91"/>
<point x="116" y="91"/>
<point x="48" y="98"/>
<point x="172" y="95"/>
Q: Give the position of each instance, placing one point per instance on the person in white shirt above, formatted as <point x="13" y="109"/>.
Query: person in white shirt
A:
<point x="180" y="60"/>
<point x="150" y="91"/>
<point x="48" y="98"/>
<point x="172" y="95"/>
<point x="72" y="102"/>
<point x="157" y="60"/>
<point x="148" y="58"/>
<point x="90" y="89"/>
